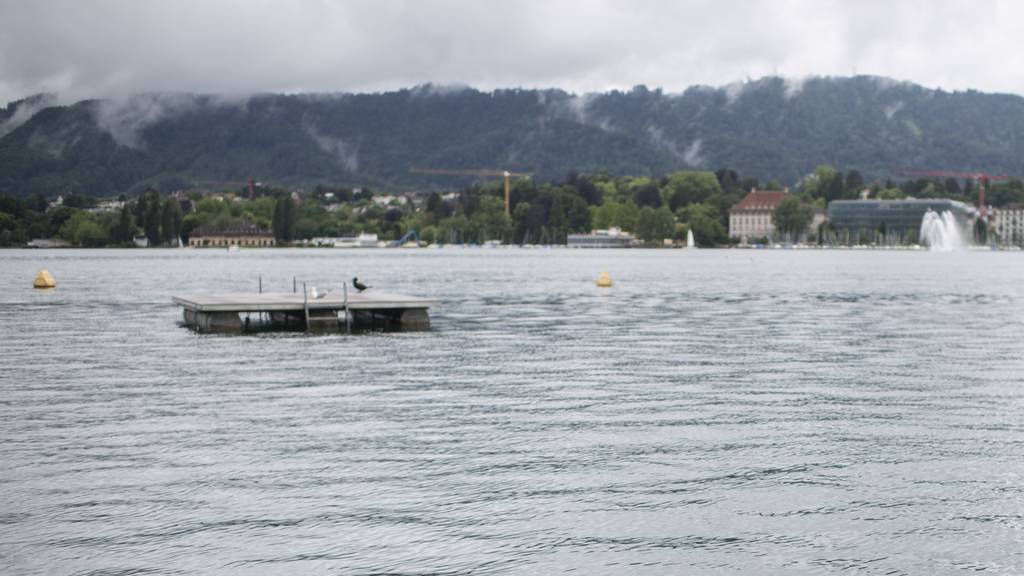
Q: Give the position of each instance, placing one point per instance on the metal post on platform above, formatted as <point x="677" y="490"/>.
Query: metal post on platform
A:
<point x="294" y="286"/>
<point x="305" y="304"/>
<point x="348" y="318"/>
<point x="261" y="284"/>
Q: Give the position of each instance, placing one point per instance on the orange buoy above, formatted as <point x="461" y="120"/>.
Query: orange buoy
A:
<point x="44" y="280"/>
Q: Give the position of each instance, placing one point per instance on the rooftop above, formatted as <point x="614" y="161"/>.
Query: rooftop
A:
<point x="243" y="229"/>
<point x="902" y="201"/>
<point x="760" y="200"/>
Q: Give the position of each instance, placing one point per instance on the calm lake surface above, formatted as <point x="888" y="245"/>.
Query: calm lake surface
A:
<point x="714" y="412"/>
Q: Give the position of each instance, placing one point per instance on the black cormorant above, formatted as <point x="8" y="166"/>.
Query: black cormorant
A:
<point x="359" y="285"/>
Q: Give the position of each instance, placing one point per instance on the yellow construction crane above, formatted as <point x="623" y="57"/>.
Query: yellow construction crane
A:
<point x="481" y="172"/>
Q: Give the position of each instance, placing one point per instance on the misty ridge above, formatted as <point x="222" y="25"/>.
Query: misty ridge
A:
<point x="772" y="129"/>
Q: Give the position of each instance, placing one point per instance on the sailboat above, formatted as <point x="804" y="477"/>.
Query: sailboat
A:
<point x="689" y="239"/>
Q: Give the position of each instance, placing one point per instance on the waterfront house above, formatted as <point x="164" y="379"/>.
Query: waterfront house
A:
<point x="752" y="217"/>
<point x="245" y="234"/>
<point x="611" y="238"/>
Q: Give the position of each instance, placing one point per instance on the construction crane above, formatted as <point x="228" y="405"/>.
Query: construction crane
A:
<point x="981" y="177"/>
<point x="477" y="172"/>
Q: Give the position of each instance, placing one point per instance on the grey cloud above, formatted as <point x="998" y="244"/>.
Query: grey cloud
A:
<point x="734" y="90"/>
<point x="25" y="111"/>
<point x="794" y="86"/>
<point x="692" y="155"/>
<point x="126" y="117"/>
<point x="657" y="136"/>
<point x="431" y="89"/>
<point x="345" y="153"/>
<point x="106" y="48"/>
<point x="892" y="109"/>
<point x="577" y="109"/>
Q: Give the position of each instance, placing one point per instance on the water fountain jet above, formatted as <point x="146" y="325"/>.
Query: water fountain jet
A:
<point x="940" y="232"/>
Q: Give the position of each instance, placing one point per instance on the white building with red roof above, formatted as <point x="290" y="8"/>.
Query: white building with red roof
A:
<point x="752" y="217"/>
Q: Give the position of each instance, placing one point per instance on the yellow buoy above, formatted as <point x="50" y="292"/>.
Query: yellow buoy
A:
<point x="44" y="280"/>
<point x="604" y="280"/>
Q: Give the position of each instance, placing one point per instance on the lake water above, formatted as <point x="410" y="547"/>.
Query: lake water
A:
<point x="714" y="412"/>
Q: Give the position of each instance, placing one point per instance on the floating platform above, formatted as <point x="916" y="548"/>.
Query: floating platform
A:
<point x="234" y="312"/>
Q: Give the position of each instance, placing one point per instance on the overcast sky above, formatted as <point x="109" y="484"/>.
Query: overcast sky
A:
<point x="100" y="48"/>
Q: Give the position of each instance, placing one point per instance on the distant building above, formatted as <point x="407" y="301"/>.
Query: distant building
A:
<point x="1008" y="224"/>
<point x="245" y="234"/>
<point x="48" y="243"/>
<point x="752" y="216"/>
<point x="611" y="238"/>
<point x="892" y="221"/>
<point x="107" y="206"/>
<point x="362" y="241"/>
<point x="387" y="199"/>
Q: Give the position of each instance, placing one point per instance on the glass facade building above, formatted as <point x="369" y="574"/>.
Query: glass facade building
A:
<point x="893" y="218"/>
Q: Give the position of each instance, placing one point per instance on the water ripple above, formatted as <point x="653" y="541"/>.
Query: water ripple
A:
<point x="715" y="411"/>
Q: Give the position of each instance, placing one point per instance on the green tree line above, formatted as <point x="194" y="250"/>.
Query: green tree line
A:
<point x="157" y="217"/>
<point x="654" y="209"/>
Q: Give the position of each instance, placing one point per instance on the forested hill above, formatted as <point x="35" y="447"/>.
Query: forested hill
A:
<point x="770" y="129"/>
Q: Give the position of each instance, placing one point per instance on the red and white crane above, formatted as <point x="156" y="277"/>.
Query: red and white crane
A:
<point x="982" y="178"/>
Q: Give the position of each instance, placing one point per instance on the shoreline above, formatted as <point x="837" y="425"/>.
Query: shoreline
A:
<point x="433" y="247"/>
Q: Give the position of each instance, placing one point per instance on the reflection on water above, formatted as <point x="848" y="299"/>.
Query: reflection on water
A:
<point x="715" y="411"/>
